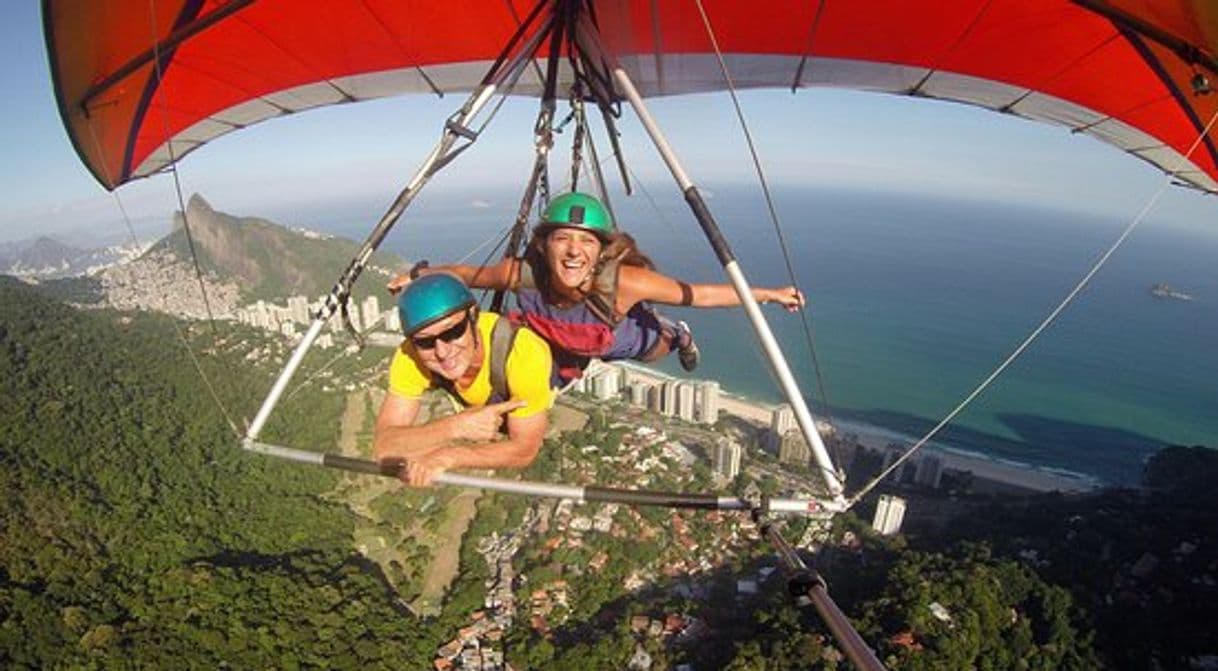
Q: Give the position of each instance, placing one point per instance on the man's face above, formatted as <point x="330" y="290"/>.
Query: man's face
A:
<point x="447" y="347"/>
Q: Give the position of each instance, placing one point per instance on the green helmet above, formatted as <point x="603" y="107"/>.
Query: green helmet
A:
<point x="577" y="210"/>
<point x="431" y="298"/>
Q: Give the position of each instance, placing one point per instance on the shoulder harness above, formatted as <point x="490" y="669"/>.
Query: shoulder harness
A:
<point x="601" y="301"/>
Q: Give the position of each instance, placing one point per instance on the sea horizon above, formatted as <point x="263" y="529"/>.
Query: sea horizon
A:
<point x="915" y="299"/>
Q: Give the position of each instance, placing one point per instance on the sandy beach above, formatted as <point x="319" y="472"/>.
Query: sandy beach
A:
<point x="1011" y="474"/>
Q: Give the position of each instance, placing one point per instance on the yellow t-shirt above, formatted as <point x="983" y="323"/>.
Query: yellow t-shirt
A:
<point x="527" y="370"/>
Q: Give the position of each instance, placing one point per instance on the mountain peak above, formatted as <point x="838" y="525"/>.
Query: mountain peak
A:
<point x="266" y="259"/>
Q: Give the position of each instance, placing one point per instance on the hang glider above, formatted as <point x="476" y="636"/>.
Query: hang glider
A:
<point x="140" y="84"/>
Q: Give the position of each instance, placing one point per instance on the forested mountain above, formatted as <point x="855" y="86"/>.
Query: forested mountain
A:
<point x="134" y="532"/>
<point x="265" y="259"/>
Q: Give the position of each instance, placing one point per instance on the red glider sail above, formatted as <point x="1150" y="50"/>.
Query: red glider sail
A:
<point x="140" y="84"/>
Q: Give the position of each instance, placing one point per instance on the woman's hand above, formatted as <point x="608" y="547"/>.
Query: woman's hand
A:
<point x="790" y="298"/>
<point x="401" y="281"/>
<point x="398" y="283"/>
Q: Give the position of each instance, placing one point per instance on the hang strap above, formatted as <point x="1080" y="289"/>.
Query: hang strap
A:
<point x="503" y="337"/>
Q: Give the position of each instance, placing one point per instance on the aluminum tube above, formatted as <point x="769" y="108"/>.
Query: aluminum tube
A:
<point x="786" y="380"/>
<point x="733" y="503"/>
<point x="285" y="376"/>
<point x="806" y="582"/>
<point x="806" y="507"/>
<point x="853" y="646"/>
<point x="803" y="416"/>
<point x="280" y="452"/>
<point x="511" y="486"/>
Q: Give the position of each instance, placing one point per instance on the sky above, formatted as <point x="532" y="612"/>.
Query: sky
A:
<point x="365" y="151"/>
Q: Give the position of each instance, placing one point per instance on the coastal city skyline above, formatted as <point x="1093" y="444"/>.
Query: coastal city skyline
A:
<point x="696" y="401"/>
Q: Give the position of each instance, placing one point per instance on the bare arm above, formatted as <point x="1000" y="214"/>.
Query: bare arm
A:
<point x="499" y="276"/>
<point x="640" y="284"/>
<point x="517" y="451"/>
<point x="395" y="435"/>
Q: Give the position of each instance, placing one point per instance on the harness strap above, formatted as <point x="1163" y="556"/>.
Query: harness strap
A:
<point x="503" y="336"/>
<point x="603" y="299"/>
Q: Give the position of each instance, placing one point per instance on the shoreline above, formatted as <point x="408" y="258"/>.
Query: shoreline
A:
<point x="1022" y="475"/>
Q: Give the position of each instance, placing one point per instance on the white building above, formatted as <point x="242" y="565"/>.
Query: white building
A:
<point x="782" y="420"/>
<point x="708" y="402"/>
<point x="668" y="401"/>
<point x="370" y="312"/>
<point x="685" y="401"/>
<point x="889" y="514"/>
<point x="793" y="449"/>
<point x="298" y="309"/>
<point x="638" y="393"/>
<point x="655" y="398"/>
<point x="725" y="460"/>
<point x="393" y="320"/>
<point x="605" y="385"/>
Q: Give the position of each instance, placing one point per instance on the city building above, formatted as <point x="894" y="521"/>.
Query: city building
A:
<point x="725" y="459"/>
<point x="298" y="309"/>
<point x="655" y="398"/>
<point x="906" y="473"/>
<point x="370" y="312"/>
<point x="782" y="420"/>
<point x="930" y="471"/>
<point x="393" y="320"/>
<point x="605" y="385"/>
<point x="638" y="393"/>
<point x="889" y="514"/>
<point x="793" y="449"/>
<point x="685" y="401"/>
<point x="708" y="402"/>
<point x="668" y="403"/>
<point x="579" y="385"/>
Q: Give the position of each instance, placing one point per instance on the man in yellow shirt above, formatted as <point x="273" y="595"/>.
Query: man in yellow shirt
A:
<point x="499" y="372"/>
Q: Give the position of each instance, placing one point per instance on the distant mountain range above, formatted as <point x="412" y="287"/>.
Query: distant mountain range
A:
<point x="46" y="258"/>
<point x="243" y="259"/>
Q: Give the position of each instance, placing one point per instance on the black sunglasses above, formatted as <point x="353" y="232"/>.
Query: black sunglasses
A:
<point x="448" y="335"/>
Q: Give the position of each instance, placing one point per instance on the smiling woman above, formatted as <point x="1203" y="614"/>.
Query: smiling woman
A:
<point x="585" y="288"/>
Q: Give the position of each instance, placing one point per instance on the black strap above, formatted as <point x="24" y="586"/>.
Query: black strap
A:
<point x="503" y="337"/>
<point x="602" y="302"/>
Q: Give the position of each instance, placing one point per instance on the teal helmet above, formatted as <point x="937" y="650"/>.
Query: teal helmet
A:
<point x="577" y="210"/>
<point x="431" y="298"/>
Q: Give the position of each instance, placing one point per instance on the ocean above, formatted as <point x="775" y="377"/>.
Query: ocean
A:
<point x="915" y="299"/>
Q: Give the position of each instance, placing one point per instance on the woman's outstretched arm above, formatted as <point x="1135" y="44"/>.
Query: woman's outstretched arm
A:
<point x="640" y="284"/>
<point x="498" y="276"/>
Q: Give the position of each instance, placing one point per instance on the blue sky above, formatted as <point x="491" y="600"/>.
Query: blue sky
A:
<point x="366" y="151"/>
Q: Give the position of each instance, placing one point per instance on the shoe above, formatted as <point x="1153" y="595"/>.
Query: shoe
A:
<point x="687" y="351"/>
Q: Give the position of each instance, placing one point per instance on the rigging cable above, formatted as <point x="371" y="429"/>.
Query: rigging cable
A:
<point x="1065" y="302"/>
<point x="782" y="241"/>
<point x="173" y="166"/>
<point x="194" y="360"/>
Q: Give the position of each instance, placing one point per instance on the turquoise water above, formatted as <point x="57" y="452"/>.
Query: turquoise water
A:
<point x="915" y="300"/>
